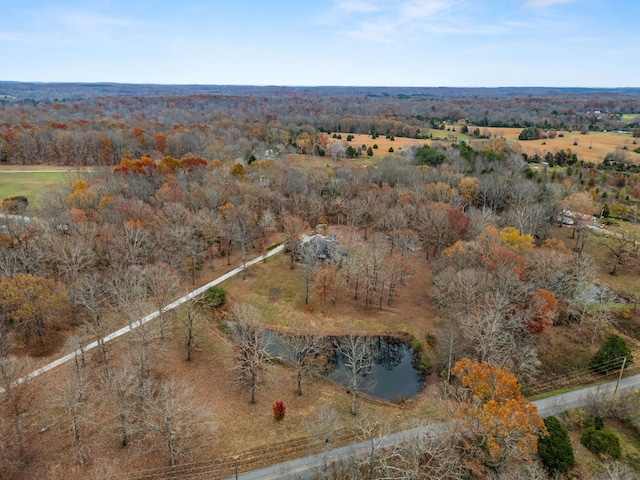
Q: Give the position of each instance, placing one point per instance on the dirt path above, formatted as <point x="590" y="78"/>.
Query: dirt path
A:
<point x="124" y="330"/>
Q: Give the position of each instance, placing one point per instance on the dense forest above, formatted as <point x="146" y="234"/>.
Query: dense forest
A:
<point x="100" y="124"/>
<point x="201" y="178"/>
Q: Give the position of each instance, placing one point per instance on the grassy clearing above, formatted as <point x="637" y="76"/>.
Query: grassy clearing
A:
<point x="28" y="184"/>
<point x="629" y="443"/>
<point x="592" y="147"/>
<point x="279" y="292"/>
<point x="629" y="117"/>
<point x="627" y="279"/>
<point x="553" y="393"/>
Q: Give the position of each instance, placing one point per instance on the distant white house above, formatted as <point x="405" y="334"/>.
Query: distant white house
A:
<point x="14" y="218"/>
<point x="569" y="217"/>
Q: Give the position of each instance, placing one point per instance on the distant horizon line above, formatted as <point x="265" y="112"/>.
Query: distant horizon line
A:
<point x="273" y="85"/>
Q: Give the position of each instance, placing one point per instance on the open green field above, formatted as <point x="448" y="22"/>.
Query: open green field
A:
<point x="630" y="117"/>
<point x="28" y="184"/>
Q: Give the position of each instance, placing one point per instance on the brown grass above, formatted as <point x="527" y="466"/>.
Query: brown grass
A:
<point x="242" y="429"/>
<point x="625" y="282"/>
<point x="592" y="147"/>
<point x="280" y="293"/>
<point x="246" y="430"/>
<point x="398" y="144"/>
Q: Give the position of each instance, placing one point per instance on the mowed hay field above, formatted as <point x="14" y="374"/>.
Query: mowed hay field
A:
<point x="398" y="144"/>
<point x="592" y="147"/>
<point x="30" y="180"/>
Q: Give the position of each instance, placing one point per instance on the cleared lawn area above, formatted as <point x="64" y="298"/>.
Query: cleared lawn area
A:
<point x="27" y="184"/>
<point x="625" y="282"/>
<point x="592" y="147"/>
<point x="29" y="181"/>
<point x="279" y="292"/>
<point x="630" y="117"/>
<point x="383" y="144"/>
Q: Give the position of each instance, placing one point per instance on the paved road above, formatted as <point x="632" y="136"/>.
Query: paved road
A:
<point x="309" y="467"/>
<point x="585" y="396"/>
<point x="148" y="318"/>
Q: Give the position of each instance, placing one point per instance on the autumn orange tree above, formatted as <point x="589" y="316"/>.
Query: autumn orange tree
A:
<point x="31" y="303"/>
<point x="82" y="196"/>
<point x="543" y="307"/>
<point x="492" y="421"/>
<point x="516" y="240"/>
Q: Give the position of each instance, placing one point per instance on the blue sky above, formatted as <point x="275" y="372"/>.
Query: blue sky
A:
<point x="485" y="43"/>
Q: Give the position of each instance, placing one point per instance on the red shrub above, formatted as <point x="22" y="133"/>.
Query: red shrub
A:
<point x="278" y="411"/>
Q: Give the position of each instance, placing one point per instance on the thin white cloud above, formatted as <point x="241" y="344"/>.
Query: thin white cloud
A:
<point x="543" y="23"/>
<point x="373" y="31"/>
<point x="83" y="19"/>
<point x="547" y="3"/>
<point x="65" y="28"/>
<point x="483" y="49"/>
<point x="356" y="6"/>
<point x="420" y="9"/>
<point x="462" y="29"/>
<point x="382" y="20"/>
<point x="10" y="37"/>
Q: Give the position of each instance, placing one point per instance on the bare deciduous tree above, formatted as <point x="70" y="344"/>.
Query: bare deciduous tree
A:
<point x="126" y="287"/>
<point x="243" y="231"/>
<point x="613" y="470"/>
<point x="131" y="246"/>
<point x="293" y="228"/>
<point x="171" y="416"/>
<point x="622" y="245"/>
<point x="266" y="226"/>
<point x="251" y="347"/>
<point x="358" y="360"/>
<point x="600" y="313"/>
<point x="303" y="346"/>
<point x="190" y="308"/>
<point x="326" y="283"/>
<point x="163" y="284"/>
<point x="142" y="355"/>
<point x="428" y="455"/>
<point x="324" y="424"/>
<point x="73" y="255"/>
<point x="120" y="386"/>
<point x="91" y="294"/>
<point x="309" y="259"/>
<point x="75" y="408"/>
<point x="79" y="363"/>
<point x="16" y="399"/>
<point x="208" y="226"/>
<point x="370" y="430"/>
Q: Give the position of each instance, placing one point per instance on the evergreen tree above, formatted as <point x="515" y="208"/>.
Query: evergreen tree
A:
<point x="351" y="152"/>
<point x="555" y="449"/>
<point x="602" y="442"/>
<point x="529" y="133"/>
<point x="610" y="355"/>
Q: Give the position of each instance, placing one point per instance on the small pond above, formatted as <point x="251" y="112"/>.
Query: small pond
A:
<point x="393" y="375"/>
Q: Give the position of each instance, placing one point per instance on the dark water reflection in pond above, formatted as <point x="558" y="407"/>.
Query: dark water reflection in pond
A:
<point x="393" y="376"/>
